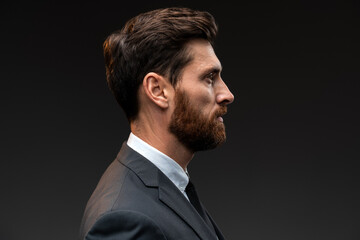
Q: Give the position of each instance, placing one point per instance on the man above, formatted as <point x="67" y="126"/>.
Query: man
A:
<point x="164" y="73"/>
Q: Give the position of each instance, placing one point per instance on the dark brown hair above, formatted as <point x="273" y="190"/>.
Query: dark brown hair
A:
<point x="152" y="42"/>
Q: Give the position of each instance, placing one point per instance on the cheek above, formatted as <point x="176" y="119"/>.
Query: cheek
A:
<point x="203" y="101"/>
<point x="202" y="95"/>
<point x="208" y="98"/>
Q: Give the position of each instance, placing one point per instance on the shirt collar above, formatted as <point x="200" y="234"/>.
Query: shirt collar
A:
<point x="166" y="164"/>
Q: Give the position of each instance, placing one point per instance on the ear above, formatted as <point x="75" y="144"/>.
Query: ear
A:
<point x="157" y="88"/>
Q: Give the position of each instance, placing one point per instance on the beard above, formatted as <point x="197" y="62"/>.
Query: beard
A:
<point x="196" y="131"/>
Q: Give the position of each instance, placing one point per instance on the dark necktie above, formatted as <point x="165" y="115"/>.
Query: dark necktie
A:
<point x="194" y="200"/>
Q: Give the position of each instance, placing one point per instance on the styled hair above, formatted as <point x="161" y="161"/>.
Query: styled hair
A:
<point x="153" y="41"/>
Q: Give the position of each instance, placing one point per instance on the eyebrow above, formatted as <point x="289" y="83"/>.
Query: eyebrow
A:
<point x="210" y="70"/>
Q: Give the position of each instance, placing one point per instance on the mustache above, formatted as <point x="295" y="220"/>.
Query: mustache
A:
<point x="221" y="111"/>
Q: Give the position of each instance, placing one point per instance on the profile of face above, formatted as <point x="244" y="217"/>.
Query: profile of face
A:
<point x="201" y="99"/>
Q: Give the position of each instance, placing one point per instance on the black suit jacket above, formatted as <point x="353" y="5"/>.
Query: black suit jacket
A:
<point x="135" y="200"/>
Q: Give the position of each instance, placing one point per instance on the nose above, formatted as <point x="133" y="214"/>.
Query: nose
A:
<point x="224" y="96"/>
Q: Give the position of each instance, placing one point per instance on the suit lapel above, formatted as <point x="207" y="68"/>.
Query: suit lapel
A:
<point x="168" y="192"/>
<point x="216" y="228"/>
<point x="174" y="199"/>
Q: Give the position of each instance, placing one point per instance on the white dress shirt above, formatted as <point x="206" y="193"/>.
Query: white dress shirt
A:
<point x="167" y="165"/>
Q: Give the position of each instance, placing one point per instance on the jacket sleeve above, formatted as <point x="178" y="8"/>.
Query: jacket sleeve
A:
<point x="125" y="225"/>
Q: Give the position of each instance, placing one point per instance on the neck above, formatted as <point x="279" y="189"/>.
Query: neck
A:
<point x="160" y="138"/>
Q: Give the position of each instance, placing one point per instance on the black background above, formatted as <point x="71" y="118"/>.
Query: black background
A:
<point x="289" y="169"/>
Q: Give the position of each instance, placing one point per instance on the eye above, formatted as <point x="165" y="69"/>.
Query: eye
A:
<point x="210" y="78"/>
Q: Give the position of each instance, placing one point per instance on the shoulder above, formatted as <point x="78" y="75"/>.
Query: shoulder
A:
<point x="125" y="224"/>
<point x="119" y="194"/>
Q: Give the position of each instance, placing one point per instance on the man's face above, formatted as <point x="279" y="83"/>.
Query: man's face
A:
<point x="200" y="100"/>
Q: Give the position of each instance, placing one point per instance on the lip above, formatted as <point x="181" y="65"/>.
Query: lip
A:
<point x="220" y="113"/>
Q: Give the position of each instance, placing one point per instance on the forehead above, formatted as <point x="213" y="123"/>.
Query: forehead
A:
<point x="203" y="56"/>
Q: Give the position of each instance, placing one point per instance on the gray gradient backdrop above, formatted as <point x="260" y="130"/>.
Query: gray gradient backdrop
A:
<point x="289" y="169"/>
